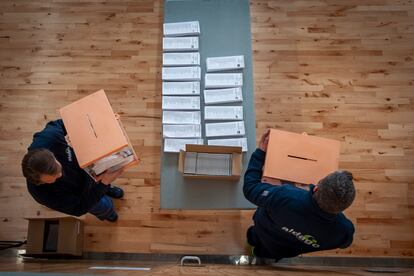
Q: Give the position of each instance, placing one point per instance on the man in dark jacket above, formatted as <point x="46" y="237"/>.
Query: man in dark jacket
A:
<point x="54" y="178"/>
<point x="290" y="221"/>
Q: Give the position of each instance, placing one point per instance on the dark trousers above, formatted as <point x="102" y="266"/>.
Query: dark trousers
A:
<point x="259" y="250"/>
<point x="103" y="209"/>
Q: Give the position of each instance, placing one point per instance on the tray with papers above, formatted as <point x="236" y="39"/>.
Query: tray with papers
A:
<point x="180" y="59"/>
<point x="225" y="129"/>
<point x="175" y="145"/>
<point x="224" y="63"/>
<point x="232" y="142"/>
<point x="181" y="28"/>
<point x="181" y="117"/>
<point x="191" y="73"/>
<point x="181" y="131"/>
<point x="177" y="44"/>
<point x="181" y="88"/>
<point x="223" y="80"/>
<point x="218" y="96"/>
<point x="180" y="103"/>
<point x="223" y="112"/>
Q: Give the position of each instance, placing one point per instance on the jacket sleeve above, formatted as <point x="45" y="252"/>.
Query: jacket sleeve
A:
<point x="349" y="237"/>
<point x="75" y="205"/>
<point x="258" y="193"/>
<point x="53" y="133"/>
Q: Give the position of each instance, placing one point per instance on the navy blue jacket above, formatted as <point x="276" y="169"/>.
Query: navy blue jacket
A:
<point x="75" y="192"/>
<point x="288" y="221"/>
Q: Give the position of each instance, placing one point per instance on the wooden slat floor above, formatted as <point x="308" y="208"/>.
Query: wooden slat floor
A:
<point x="169" y="269"/>
<point x="338" y="69"/>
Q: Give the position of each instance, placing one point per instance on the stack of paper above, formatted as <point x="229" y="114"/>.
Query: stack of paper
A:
<point x="181" y="88"/>
<point x="180" y="59"/>
<point x="175" y="145"/>
<point x="180" y="103"/>
<point x="208" y="163"/>
<point x="225" y="129"/>
<point x="217" y="96"/>
<point x="224" y="63"/>
<point x="170" y="44"/>
<point x="223" y="80"/>
<point x="114" y="161"/>
<point x="181" y="76"/>
<point x="181" y="117"/>
<point x="234" y="142"/>
<point x="182" y="28"/>
<point x="192" y="73"/>
<point x="181" y="131"/>
<point x="223" y="112"/>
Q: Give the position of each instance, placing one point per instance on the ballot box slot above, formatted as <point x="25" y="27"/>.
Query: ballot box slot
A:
<point x="90" y="123"/>
<point x="302" y="158"/>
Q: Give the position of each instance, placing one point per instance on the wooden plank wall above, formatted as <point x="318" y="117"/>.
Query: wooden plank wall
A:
<point x="338" y="69"/>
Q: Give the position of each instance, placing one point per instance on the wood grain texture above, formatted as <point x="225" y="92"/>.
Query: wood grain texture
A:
<point x="82" y="267"/>
<point x="338" y="69"/>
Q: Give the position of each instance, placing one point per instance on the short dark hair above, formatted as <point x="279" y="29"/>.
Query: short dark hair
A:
<point x="336" y="192"/>
<point x="38" y="162"/>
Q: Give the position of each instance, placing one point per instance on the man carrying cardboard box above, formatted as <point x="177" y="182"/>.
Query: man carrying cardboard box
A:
<point x="54" y="178"/>
<point x="290" y="221"/>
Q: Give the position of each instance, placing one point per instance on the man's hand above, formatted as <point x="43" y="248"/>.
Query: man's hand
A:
<point x="109" y="177"/>
<point x="264" y="141"/>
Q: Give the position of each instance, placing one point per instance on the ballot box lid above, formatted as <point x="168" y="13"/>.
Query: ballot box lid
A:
<point x="93" y="128"/>
<point x="300" y="158"/>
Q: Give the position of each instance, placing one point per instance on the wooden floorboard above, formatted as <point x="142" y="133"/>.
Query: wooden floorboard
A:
<point x="337" y="69"/>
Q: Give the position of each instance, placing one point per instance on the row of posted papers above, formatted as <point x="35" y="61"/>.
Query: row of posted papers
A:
<point x="182" y="105"/>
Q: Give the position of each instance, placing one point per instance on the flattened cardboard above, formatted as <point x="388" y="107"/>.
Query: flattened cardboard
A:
<point x="299" y="158"/>
<point x="70" y="236"/>
<point x="236" y="161"/>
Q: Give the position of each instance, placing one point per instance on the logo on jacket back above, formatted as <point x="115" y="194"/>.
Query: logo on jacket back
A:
<point x="69" y="154"/>
<point x="306" y="239"/>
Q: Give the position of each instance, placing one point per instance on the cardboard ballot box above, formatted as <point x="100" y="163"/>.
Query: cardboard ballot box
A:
<point x="97" y="135"/>
<point x="210" y="162"/>
<point x="299" y="158"/>
<point x="54" y="236"/>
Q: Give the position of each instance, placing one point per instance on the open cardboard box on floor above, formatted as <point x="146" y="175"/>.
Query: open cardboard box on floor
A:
<point x="54" y="236"/>
<point x="299" y="158"/>
<point x="210" y="162"/>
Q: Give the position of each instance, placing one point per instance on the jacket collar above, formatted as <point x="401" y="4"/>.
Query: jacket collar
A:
<point x="317" y="209"/>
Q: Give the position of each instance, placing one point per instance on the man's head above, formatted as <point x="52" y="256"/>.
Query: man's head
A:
<point x="335" y="192"/>
<point x="40" y="166"/>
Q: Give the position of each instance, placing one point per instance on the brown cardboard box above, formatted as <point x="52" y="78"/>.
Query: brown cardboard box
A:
<point x="55" y="236"/>
<point x="95" y="131"/>
<point x="299" y="158"/>
<point x="235" y="158"/>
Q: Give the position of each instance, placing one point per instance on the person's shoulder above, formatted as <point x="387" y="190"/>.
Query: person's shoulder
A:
<point x="51" y="135"/>
<point x="344" y="223"/>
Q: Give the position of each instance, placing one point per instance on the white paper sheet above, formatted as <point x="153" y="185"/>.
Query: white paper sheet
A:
<point x="181" y="117"/>
<point x="223" y="112"/>
<point x="181" y="59"/>
<point x="217" y="96"/>
<point x="213" y="163"/>
<point x="175" y="145"/>
<point x="224" y="63"/>
<point x="233" y="142"/>
<point x="225" y="129"/>
<point x="177" y="44"/>
<point x="223" y="80"/>
<point x="181" y="131"/>
<point x="182" y="28"/>
<point x="192" y="73"/>
<point x="180" y="103"/>
<point x="181" y="88"/>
